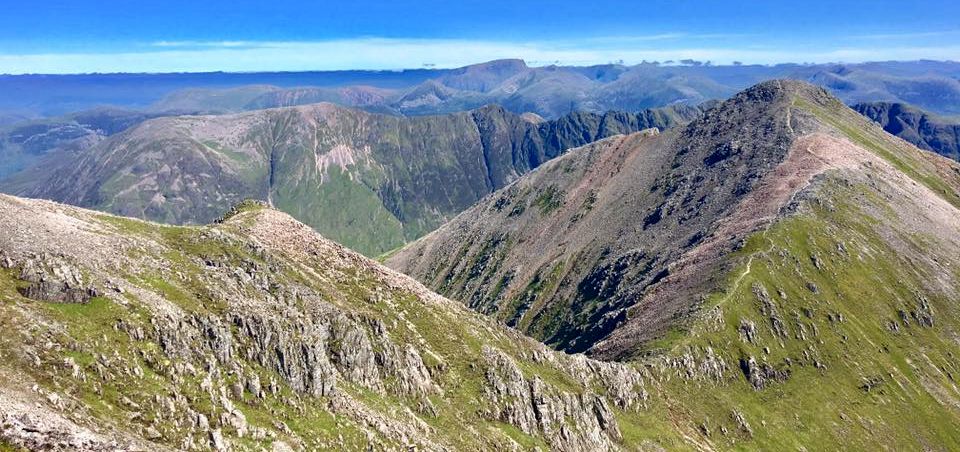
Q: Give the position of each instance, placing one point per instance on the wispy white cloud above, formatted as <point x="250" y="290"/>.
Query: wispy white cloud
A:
<point x="382" y="53"/>
<point x="205" y="44"/>
<point x="907" y="35"/>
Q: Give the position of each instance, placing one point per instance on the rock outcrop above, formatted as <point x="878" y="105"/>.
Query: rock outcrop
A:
<point x="52" y="279"/>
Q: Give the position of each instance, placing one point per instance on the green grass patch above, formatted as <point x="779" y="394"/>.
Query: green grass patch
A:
<point x="549" y="200"/>
<point x="129" y="226"/>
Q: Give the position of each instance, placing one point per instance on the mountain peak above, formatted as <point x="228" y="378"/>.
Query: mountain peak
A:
<point x="785" y="86"/>
<point x="484" y="77"/>
<point x="504" y="63"/>
<point x="774" y="93"/>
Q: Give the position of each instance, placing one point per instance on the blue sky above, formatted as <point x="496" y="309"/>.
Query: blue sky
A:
<point x="44" y="36"/>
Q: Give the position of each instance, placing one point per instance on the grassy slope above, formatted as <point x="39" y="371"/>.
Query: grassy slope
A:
<point x="828" y="406"/>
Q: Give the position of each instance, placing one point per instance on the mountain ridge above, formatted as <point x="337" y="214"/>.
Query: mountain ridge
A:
<point x="550" y="91"/>
<point x="919" y="128"/>
<point x="371" y="181"/>
<point x="705" y="167"/>
<point x="604" y="159"/>
<point x="300" y="342"/>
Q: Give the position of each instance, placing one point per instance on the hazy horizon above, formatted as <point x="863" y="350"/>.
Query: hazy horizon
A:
<point x="665" y="63"/>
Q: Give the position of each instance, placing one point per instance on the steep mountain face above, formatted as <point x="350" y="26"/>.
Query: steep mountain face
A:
<point x="614" y="245"/>
<point x="562" y="253"/>
<point x="369" y="181"/>
<point x="921" y="129"/>
<point x="257" y="333"/>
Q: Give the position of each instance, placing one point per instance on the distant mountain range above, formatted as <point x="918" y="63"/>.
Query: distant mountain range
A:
<point x="549" y="91"/>
<point x="370" y="181"/>
<point x="40" y="114"/>
<point x="404" y="170"/>
<point x="556" y="90"/>
<point x="54" y="95"/>
<point x="415" y="172"/>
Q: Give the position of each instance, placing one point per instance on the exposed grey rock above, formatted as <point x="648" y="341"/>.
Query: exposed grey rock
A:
<point x="33" y="428"/>
<point x="695" y="363"/>
<point x="923" y="313"/>
<point x="762" y="374"/>
<point x="768" y="307"/>
<point x="741" y="421"/>
<point x="151" y="433"/>
<point x="253" y="385"/>
<point x="871" y="382"/>
<point x="748" y="331"/>
<point x="54" y="279"/>
<point x="217" y="442"/>
<point x="572" y="421"/>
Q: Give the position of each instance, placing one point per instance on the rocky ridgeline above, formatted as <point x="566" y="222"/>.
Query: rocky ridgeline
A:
<point x="593" y="232"/>
<point x="258" y="333"/>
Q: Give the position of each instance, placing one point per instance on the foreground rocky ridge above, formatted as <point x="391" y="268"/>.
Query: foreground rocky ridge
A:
<point x="369" y="181"/>
<point x="259" y="333"/>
